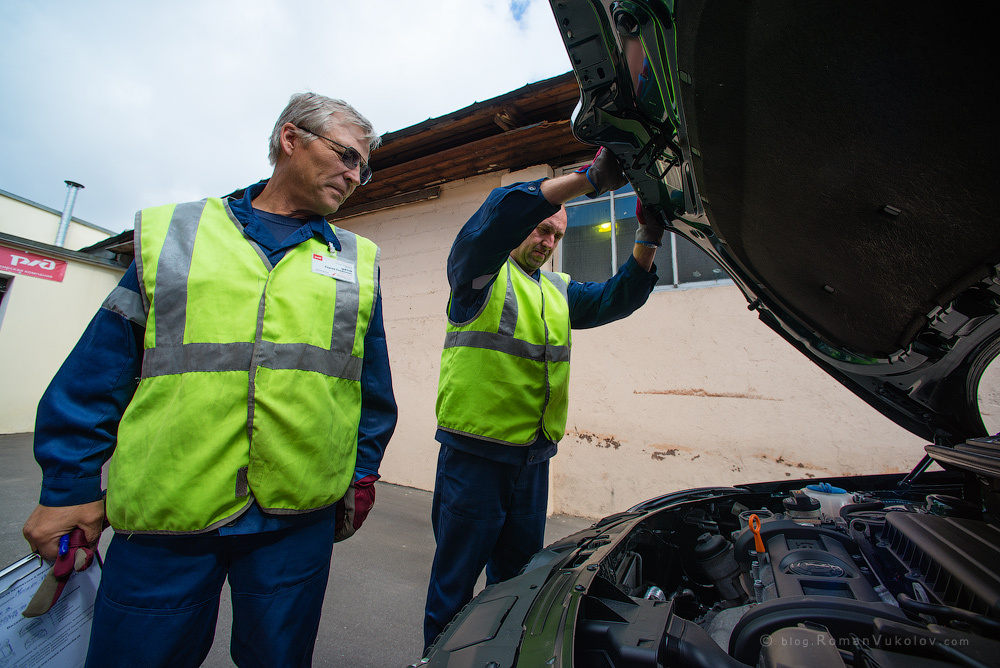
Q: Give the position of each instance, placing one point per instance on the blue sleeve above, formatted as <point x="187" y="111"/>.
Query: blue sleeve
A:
<point x="76" y="426"/>
<point x="504" y="220"/>
<point x="378" y="405"/>
<point x="595" y="304"/>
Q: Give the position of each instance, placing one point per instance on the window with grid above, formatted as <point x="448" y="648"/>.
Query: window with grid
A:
<point x="600" y="234"/>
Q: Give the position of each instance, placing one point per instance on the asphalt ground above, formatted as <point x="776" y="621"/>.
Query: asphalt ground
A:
<point x="373" y="612"/>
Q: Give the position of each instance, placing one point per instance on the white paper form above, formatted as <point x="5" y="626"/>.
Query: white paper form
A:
<point x="60" y="637"/>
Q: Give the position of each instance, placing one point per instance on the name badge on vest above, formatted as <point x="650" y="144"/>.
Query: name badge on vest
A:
<point x="340" y="270"/>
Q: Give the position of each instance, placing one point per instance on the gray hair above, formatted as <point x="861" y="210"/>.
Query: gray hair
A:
<point x="314" y="111"/>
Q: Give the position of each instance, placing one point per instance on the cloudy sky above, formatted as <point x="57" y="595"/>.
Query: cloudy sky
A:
<point x="146" y="103"/>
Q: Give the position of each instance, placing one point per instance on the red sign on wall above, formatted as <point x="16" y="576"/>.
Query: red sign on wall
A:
<point x="29" y="264"/>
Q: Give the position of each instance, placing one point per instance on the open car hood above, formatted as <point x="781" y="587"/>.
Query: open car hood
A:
<point x="838" y="160"/>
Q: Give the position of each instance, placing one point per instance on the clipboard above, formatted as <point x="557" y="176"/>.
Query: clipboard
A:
<point x="60" y="637"/>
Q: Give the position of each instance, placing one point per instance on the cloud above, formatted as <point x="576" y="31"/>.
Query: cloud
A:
<point x="147" y="103"/>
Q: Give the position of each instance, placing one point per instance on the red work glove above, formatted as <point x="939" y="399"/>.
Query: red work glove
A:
<point x="354" y="507"/>
<point x="77" y="557"/>
<point x="604" y="173"/>
<point x="650" y="232"/>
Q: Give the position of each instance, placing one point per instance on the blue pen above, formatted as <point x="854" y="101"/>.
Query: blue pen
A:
<point x="64" y="544"/>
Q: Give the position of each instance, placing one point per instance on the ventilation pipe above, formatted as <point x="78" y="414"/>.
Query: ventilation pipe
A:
<point x="72" y="187"/>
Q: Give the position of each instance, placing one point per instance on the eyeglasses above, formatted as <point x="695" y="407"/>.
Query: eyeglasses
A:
<point x="350" y="156"/>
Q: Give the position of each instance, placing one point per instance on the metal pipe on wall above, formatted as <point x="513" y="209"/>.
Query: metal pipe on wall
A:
<point x="72" y="188"/>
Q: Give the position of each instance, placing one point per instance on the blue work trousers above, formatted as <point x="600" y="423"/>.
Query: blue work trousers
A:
<point x="484" y="514"/>
<point x="158" y="601"/>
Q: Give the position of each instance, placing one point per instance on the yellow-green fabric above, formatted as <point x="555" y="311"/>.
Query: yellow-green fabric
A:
<point x="250" y="385"/>
<point x="505" y="373"/>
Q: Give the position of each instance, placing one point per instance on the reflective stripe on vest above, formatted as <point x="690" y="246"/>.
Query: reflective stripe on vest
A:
<point x="505" y="373"/>
<point x="127" y="304"/>
<point x="250" y="385"/>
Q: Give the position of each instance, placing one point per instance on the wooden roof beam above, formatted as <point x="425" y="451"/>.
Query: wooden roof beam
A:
<point x="508" y="118"/>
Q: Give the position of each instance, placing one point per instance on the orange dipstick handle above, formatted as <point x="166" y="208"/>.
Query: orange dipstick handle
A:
<point x="755" y="527"/>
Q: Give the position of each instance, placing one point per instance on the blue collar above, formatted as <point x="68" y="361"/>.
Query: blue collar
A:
<point x="256" y="230"/>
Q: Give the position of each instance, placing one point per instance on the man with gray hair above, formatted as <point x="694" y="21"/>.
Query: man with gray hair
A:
<point x="240" y="376"/>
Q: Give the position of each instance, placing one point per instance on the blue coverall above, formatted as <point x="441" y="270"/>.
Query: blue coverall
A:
<point x="159" y="596"/>
<point x="489" y="503"/>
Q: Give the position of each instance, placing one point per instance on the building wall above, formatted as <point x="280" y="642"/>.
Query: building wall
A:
<point x="691" y="390"/>
<point x="38" y="224"/>
<point x="40" y="323"/>
<point x="41" y="320"/>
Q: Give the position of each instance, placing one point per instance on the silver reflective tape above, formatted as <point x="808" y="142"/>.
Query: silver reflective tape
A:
<point x="345" y="314"/>
<point x="172" y="269"/>
<point x="166" y="360"/>
<point x="508" y="317"/>
<point x="137" y="244"/>
<point x="559" y="282"/>
<point x="508" y="345"/>
<point x="252" y="388"/>
<point x="548" y="385"/>
<point x="304" y="357"/>
<point x="293" y="511"/>
<point x="376" y="277"/>
<point x="242" y="486"/>
<point x="480" y="437"/>
<point x="482" y="281"/>
<point x="195" y="357"/>
<point x="127" y="304"/>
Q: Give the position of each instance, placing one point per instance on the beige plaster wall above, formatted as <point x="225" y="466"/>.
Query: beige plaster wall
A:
<point x="41" y="322"/>
<point x="691" y="390"/>
<point x="29" y="222"/>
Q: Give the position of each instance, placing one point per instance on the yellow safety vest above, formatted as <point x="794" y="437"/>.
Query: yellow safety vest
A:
<point x="505" y="373"/>
<point x="251" y="376"/>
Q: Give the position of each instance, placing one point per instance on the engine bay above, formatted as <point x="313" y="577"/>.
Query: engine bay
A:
<point x="821" y="575"/>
